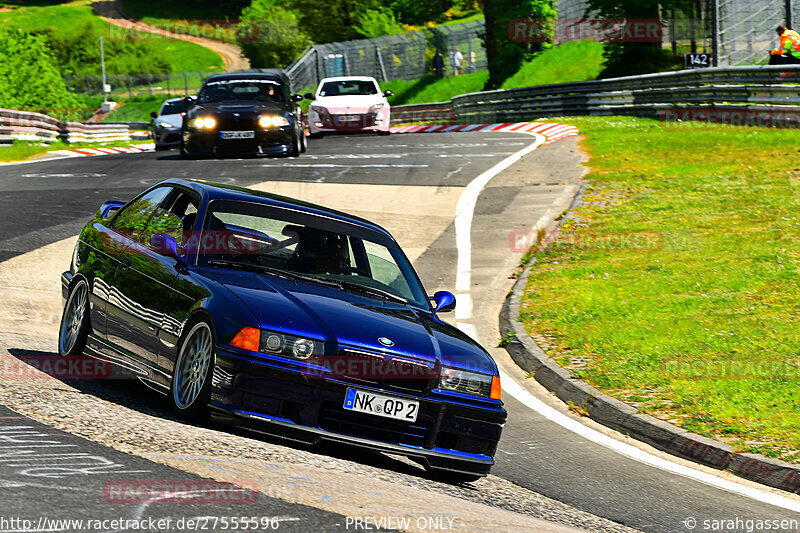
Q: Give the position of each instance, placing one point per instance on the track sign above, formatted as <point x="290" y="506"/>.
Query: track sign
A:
<point x="697" y="60"/>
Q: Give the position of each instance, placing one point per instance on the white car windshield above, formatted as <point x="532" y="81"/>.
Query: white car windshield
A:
<point x="348" y="87"/>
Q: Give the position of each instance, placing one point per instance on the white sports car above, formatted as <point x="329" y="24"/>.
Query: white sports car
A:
<point x="348" y="104"/>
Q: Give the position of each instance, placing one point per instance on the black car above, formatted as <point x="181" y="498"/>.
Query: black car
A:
<point x="243" y="114"/>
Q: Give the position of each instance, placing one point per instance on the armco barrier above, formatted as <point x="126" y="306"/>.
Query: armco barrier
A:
<point x="760" y="95"/>
<point x="29" y="126"/>
<point x="26" y="126"/>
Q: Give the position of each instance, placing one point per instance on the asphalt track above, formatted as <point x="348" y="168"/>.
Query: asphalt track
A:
<point x="44" y="202"/>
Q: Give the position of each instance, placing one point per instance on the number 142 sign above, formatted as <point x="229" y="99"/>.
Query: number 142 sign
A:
<point x="697" y="60"/>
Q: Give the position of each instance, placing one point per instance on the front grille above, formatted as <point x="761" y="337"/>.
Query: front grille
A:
<point x="388" y="372"/>
<point x="373" y="427"/>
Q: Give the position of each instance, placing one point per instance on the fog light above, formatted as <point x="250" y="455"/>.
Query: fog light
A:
<point x="318" y="124"/>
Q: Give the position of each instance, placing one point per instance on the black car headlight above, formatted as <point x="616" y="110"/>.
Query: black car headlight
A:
<point x="273" y="121"/>
<point x="204" y="123"/>
<point x="467" y="382"/>
<point x="276" y="343"/>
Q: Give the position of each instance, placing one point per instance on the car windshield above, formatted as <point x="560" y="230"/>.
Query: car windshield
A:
<point x="348" y="87"/>
<point x="173" y="108"/>
<point x="316" y="249"/>
<point x="250" y="89"/>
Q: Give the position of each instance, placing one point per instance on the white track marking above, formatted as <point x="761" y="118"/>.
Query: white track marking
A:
<point x="516" y="390"/>
<point x="466" y="208"/>
<point x="463" y="223"/>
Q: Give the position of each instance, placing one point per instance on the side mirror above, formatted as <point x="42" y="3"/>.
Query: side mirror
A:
<point x="110" y="207"/>
<point x="444" y="302"/>
<point x="387" y="94"/>
<point x="153" y="115"/>
<point x="308" y="96"/>
<point x="165" y="245"/>
<point x="297" y="98"/>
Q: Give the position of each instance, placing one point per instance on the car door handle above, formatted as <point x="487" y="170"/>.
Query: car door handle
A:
<point x="125" y="262"/>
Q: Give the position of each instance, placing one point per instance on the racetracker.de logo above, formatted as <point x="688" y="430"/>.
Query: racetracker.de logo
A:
<point x="600" y="29"/>
<point x="180" y="492"/>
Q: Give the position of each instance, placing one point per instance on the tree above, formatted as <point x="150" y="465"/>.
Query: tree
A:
<point x="504" y="55"/>
<point x="330" y="21"/>
<point x="629" y="58"/>
<point x="29" y="77"/>
<point x="270" y="35"/>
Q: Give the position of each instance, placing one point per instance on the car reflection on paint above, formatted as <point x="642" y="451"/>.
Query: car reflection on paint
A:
<point x="282" y="317"/>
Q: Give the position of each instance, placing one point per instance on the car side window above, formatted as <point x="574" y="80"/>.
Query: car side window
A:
<point x="132" y="219"/>
<point x="175" y="217"/>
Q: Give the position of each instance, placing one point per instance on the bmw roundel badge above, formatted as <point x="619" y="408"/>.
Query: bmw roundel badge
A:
<point x="385" y="341"/>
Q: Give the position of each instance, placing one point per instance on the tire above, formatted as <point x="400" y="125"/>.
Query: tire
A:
<point x="303" y="142"/>
<point x="74" y="327"/>
<point x="190" y="388"/>
<point x="294" y="151"/>
<point x="316" y="135"/>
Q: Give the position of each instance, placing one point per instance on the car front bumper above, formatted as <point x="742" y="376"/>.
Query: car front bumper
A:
<point x="276" y="141"/>
<point x="451" y="435"/>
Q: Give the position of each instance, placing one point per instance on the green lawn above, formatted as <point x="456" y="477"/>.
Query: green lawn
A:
<point x="571" y="61"/>
<point x="676" y="289"/>
<point x="128" y="57"/>
<point x="136" y="109"/>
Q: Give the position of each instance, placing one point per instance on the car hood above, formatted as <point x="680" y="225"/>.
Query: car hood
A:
<point x="352" y="320"/>
<point x="244" y="107"/>
<point x="175" y="119"/>
<point x="356" y="103"/>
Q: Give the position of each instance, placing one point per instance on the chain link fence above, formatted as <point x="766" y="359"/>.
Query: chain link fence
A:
<point x="406" y="56"/>
<point x="736" y="32"/>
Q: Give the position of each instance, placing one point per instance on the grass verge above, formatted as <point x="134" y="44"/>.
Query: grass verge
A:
<point x="675" y="289"/>
<point x="23" y="150"/>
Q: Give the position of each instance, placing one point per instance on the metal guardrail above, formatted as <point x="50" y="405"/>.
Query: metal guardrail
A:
<point x="29" y="126"/>
<point x="745" y="91"/>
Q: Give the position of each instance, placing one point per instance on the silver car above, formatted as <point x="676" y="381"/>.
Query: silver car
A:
<point x="167" y="122"/>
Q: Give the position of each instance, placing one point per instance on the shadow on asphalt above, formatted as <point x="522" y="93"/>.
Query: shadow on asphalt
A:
<point x="130" y="392"/>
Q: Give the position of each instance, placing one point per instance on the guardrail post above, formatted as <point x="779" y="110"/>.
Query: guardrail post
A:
<point x="713" y="6"/>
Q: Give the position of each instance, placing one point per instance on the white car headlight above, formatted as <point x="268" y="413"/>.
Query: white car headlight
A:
<point x="466" y="382"/>
<point x="164" y="124"/>
<point x="269" y="121"/>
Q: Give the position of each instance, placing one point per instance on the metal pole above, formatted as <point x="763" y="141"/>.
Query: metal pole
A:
<point x="713" y="6"/>
<point x="103" y="69"/>
<point x="788" y="13"/>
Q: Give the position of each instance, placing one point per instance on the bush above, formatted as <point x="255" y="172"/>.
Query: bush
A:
<point x="29" y="77"/>
<point x="269" y="34"/>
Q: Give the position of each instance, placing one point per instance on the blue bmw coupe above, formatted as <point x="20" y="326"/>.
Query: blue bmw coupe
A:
<point x="283" y="317"/>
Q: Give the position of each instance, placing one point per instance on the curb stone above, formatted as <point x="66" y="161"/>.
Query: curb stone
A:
<point x="620" y="416"/>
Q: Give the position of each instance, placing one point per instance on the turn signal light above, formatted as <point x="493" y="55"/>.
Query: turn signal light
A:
<point x="495" y="393"/>
<point x="247" y="339"/>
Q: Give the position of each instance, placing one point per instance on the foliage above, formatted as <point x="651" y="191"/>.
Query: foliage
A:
<point x="416" y="12"/>
<point x="636" y="58"/>
<point x="269" y="34"/>
<point x="504" y="55"/>
<point x="377" y="22"/>
<point x="29" y="77"/>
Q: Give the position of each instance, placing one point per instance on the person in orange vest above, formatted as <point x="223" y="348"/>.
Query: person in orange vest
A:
<point x="788" y="52"/>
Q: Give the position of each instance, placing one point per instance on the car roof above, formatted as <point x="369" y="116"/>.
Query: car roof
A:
<point x="216" y="191"/>
<point x="244" y="75"/>
<point x="349" y="78"/>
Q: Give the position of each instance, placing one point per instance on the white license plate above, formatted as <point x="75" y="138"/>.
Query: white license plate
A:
<point x="349" y="118"/>
<point x="238" y="134"/>
<point x="380" y="405"/>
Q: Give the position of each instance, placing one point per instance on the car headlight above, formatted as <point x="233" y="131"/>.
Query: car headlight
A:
<point x="275" y="343"/>
<point x="376" y="108"/>
<point x="165" y="125"/>
<point x="467" y="382"/>
<point x="319" y="110"/>
<point x="269" y="121"/>
<point x="204" y="122"/>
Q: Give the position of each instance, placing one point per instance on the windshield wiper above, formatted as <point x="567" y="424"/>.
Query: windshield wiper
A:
<point x="285" y="274"/>
<point x="372" y="291"/>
